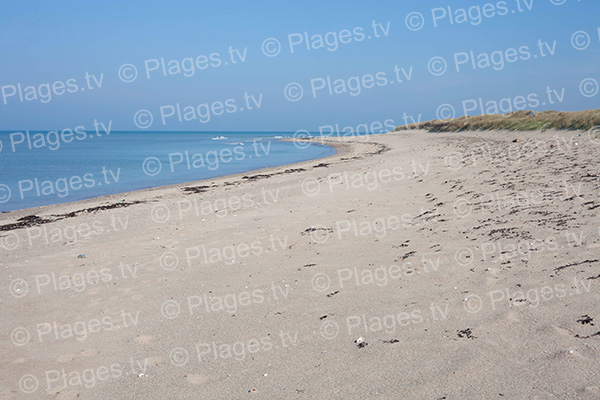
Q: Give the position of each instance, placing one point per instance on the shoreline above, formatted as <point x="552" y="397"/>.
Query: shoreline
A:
<point x="152" y="184"/>
<point x="341" y="147"/>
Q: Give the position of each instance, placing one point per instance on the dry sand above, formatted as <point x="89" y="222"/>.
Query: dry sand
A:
<point x="467" y="264"/>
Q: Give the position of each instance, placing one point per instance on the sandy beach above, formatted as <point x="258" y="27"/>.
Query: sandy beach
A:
<point x="409" y="265"/>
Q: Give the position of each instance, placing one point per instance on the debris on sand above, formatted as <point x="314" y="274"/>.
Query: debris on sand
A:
<point x="360" y="342"/>
<point x="313" y="229"/>
<point x="33" y="220"/>
<point x="195" y="189"/>
<point x="466" y="333"/>
<point x="586" y="319"/>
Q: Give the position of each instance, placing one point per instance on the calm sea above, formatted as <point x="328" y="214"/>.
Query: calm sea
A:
<point x="48" y="168"/>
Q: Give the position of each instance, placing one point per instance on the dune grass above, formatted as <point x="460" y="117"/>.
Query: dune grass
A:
<point x="516" y="121"/>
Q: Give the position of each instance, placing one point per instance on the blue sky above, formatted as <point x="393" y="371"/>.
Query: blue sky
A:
<point x="46" y="42"/>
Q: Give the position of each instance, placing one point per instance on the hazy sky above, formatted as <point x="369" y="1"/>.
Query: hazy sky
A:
<point x="225" y="71"/>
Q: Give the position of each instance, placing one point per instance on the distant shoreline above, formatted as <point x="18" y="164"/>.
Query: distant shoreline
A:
<point x="243" y="167"/>
<point x="147" y="194"/>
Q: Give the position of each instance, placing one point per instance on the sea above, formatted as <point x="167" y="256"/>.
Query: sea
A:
<point x="50" y="167"/>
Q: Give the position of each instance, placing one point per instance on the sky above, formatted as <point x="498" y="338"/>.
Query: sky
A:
<point x="289" y="66"/>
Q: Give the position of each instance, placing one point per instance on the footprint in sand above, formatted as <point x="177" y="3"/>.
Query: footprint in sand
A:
<point x="144" y="339"/>
<point x="196" y="379"/>
<point x="155" y="361"/>
<point x="68" y="395"/>
<point x="89" y="352"/>
<point x="65" y="358"/>
<point x="94" y="291"/>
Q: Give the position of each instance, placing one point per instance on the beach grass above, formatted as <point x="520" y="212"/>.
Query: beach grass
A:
<point x="514" y="121"/>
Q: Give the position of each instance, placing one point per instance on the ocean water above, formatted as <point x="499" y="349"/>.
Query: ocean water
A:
<point x="57" y="167"/>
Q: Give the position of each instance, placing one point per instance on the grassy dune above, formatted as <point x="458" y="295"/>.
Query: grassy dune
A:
<point x="516" y="121"/>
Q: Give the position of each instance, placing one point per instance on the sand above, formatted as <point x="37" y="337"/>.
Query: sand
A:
<point x="408" y="265"/>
